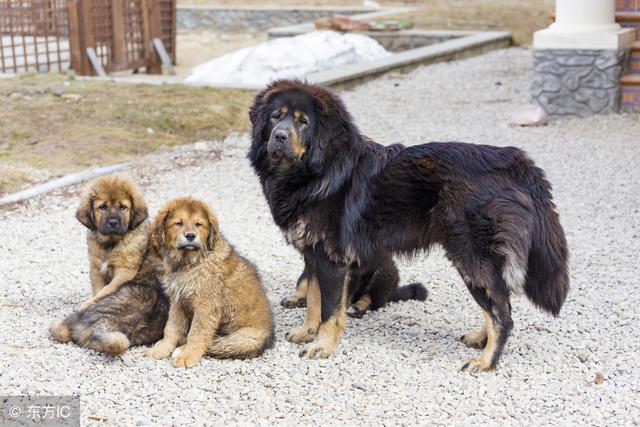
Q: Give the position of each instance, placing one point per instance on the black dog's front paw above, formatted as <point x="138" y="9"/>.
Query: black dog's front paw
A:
<point x="293" y="303"/>
<point x="354" y="312"/>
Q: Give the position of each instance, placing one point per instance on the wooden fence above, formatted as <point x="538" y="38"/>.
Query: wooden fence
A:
<point x="57" y="35"/>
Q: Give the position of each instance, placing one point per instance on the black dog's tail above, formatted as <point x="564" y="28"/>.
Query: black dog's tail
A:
<point x="413" y="291"/>
<point x="547" y="280"/>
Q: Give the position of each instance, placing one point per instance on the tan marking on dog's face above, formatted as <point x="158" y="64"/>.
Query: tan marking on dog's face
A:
<point x="186" y="229"/>
<point x="301" y="122"/>
<point x="293" y="123"/>
<point x="296" y="144"/>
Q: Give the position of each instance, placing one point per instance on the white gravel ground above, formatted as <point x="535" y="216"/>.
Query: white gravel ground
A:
<point x="399" y="365"/>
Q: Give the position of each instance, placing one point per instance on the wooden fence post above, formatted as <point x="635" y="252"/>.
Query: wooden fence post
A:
<point x="75" y="47"/>
<point x="81" y="35"/>
<point x="119" y="42"/>
<point x="155" y="31"/>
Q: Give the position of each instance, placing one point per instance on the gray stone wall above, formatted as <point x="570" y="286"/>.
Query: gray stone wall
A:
<point x="246" y="19"/>
<point x="578" y="82"/>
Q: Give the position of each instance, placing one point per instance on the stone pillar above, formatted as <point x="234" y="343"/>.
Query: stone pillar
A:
<point x="579" y="59"/>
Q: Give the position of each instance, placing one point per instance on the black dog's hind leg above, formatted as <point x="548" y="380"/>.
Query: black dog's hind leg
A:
<point x="384" y="281"/>
<point x="496" y="311"/>
<point x="359" y="298"/>
<point x="378" y="285"/>
<point x="299" y="297"/>
<point x="332" y="280"/>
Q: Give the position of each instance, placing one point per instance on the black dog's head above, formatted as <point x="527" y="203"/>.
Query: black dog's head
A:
<point x="299" y="125"/>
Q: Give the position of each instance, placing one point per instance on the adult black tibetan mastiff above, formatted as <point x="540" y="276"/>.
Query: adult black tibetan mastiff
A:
<point x="342" y="199"/>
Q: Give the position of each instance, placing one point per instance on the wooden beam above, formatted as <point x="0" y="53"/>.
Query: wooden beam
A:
<point x="146" y="34"/>
<point x="155" y="31"/>
<point x="164" y="56"/>
<point x="119" y="39"/>
<point x="95" y="62"/>
<point x="74" y="37"/>
<point x="86" y="35"/>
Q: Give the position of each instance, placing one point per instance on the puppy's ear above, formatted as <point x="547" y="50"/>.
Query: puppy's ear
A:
<point x="214" y="229"/>
<point x="139" y="210"/>
<point x="84" y="214"/>
<point x="157" y="229"/>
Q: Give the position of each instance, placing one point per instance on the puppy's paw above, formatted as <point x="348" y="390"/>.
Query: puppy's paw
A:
<point x="477" y="365"/>
<point x="317" y="350"/>
<point x="185" y="358"/>
<point x="474" y="339"/>
<point x="177" y="351"/>
<point x="87" y="304"/>
<point x="60" y="331"/>
<point x="159" y="351"/>
<point x="293" y="302"/>
<point x="355" y="313"/>
<point x="301" y="334"/>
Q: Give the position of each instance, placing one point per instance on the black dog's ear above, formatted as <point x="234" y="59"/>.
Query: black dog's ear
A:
<point x="139" y="210"/>
<point x="334" y="130"/>
<point x="84" y="214"/>
<point x="331" y="134"/>
<point x="316" y="154"/>
<point x="259" y="119"/>
<point x="256" y="108"/>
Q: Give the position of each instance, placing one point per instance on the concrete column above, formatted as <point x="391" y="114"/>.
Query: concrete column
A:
<point x="584" y="24"/>
<point x="585" y="16"/>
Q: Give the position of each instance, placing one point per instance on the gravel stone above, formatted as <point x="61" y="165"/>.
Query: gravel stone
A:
<point x="401" y="364"/>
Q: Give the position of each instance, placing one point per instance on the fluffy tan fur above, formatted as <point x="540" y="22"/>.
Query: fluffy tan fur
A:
<point x="218" y="306"/>
<point x="129" y="306"/>
<point x="114" y="258"/>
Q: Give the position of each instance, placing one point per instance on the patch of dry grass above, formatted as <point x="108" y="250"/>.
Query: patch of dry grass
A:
<point x="53" y="125"/>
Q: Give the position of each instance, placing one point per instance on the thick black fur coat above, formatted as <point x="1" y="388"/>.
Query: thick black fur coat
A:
<point x="341" y="198"/>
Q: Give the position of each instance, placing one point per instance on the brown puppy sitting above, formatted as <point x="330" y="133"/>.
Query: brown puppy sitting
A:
<point x="135" y="312"/>
<point x="218" y="306"/>
<point x="114" y="212"/>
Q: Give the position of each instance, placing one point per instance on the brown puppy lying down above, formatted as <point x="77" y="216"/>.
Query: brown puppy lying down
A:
<point x="218" y="305"/>
<point x="133" y="315"/>
<point x="114" y="212"/>
<point x="132" y="308"/>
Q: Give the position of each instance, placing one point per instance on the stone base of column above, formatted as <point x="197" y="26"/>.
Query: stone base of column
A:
<point x="578" y="82"/>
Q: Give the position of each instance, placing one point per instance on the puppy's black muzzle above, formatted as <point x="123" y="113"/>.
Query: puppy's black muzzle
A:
<point x="112" y="224"/>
